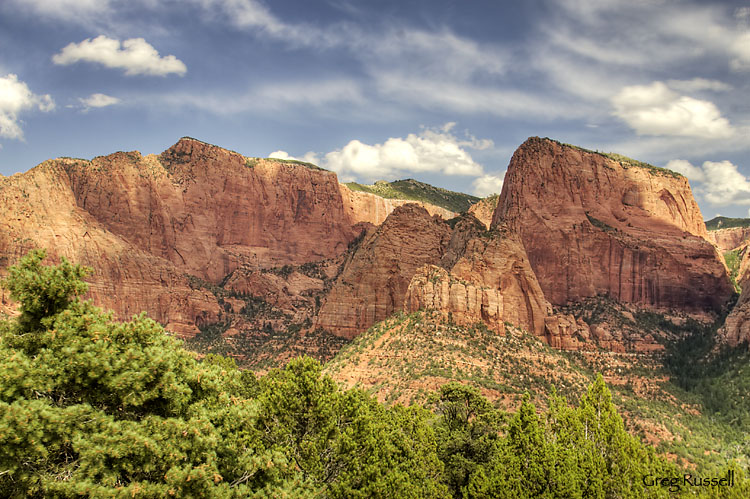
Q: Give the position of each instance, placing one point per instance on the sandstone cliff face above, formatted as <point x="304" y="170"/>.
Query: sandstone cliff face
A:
<point x="736" y="328"/>
<point x="38" y="210"/>
<point x="484" y="209"/>
<point x="729" y="239"/>
<point x="209" y="210"/>
<point x="375" y="278"/>
<point x="371" y="208"/>
<point x="593" y="226"/>
<point x="493" y="282"/>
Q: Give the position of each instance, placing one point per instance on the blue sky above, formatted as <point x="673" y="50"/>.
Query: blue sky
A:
<point x="442" y="91"/>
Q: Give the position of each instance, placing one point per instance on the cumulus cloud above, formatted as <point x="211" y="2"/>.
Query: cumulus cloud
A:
<point x="135" y="56"/>
<point x="15" y="98"/>
<point x="488" y="184"/>
<point x="433" y="150"/>
<point x="308" y="157"/>
<point x="655" y="109"/>
<point x="686" y="168"/>
<point x="722" y="183"/>
<point x="436" y="151"/>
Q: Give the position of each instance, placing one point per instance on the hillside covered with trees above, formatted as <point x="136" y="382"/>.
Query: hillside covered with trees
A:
<point x="90" y="407"/>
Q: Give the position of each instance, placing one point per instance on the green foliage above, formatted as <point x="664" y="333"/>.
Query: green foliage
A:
<point x="733" y="259"/>
<point x="43" y="291"/>
<point x="581" y="452"/>
<point x="90" y="407"/>
<point x="418" y="191"/>
<point x="467" y="430"/>
<point x="717" y="223"/>
<point x="102" y="409"/>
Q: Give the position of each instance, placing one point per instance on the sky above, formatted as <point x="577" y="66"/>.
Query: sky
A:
<point x="438" y="90"/>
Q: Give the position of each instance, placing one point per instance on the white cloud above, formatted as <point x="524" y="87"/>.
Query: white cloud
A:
<point x="488" y="184"/>
<point x="430" y="151"/>
<point x="15" y="98"/>
<point x="308" y="157"/>
<point x="722" y="182"/>
<point x="135" y="56"/>
<point x="655" y="109"/>
<point x="686" y="168"/>
<point x="98" y="100"/>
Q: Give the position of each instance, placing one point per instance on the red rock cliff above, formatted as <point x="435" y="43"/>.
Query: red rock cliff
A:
<point x="375" y="279"/>
<point x="729" y="239"/>
<point x="38" y="210"/>
<point x="371" y="208"/>
<point x="209" y="210"/>
<point x="591" y="226"/>
<point x="492" y="282"/>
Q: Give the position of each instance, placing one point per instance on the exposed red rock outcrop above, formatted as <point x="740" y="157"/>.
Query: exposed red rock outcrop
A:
<point x="484" y="209"/>
<point x="593" y="226"/>
<point x="375" y="278"/>
<point x="492" y="282"/>
<point x="209" y="210"/>
<point x="371" y="208"/>
<point x="38" y="210"/>
<point x="736" y="328"/>
<point x="729" y="239"/>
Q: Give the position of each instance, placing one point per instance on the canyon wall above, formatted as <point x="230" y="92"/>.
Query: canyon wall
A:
<point x="594" y="226"/>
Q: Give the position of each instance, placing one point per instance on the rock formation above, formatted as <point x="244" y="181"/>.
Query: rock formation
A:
<point x="594" y="226"/>
<point x="484" y="209"/>
<point x="371" y="208"/>
<point x="38" y="210"/>
<point x="736" y="328"/>
<point x="729" y="239"/>
<point x="209" y="210"/>
<point x="376" y="276"/>
<point x="492" y="282"/>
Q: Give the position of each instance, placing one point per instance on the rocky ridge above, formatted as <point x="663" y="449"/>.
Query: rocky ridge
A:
<point x="621" y="230"/>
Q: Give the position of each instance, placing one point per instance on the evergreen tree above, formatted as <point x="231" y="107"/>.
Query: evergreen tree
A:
<point x="97" y="408"/>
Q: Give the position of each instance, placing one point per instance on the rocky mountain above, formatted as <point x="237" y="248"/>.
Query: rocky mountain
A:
<point x="730" y="238"/>
<point x="149" y="226"/>
<point x="209" y="241"/>
<point x="619" y="228"/>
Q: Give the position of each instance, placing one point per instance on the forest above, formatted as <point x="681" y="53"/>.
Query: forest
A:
<point x="92" y="407"/>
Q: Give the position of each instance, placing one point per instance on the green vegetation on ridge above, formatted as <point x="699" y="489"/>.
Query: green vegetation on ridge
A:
<point x="717" y="223"/>
<point x="418" y="191"/>
<point x="625" y="161"/>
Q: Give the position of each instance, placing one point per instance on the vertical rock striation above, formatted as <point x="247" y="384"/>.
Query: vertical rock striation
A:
<point x="594" y="226"/>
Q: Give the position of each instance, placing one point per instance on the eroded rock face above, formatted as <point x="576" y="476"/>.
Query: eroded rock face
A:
<point x="729" y="239"/>
<point x="492" y="283"/>
<point x="376" y="277"/>
<point x="592" y="226"/>
<point x="209" y="210"/>
<point x="736" y="328"/>
<point x="484" y="209"/>
<point x="38" y="210"/>
<point x="144" y="223"/>
<point x="367" y="207"/>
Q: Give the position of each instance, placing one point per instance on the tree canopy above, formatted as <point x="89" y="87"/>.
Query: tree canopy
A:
<point x="92" y="407"/>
